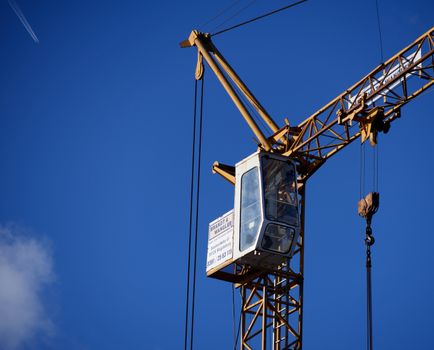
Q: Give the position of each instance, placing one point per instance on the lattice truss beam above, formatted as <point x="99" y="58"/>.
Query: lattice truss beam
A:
<point x="378" y="97"/>
<point x="271" y="310"/>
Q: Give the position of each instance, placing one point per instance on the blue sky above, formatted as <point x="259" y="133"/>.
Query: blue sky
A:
<point x="95" y="141"/>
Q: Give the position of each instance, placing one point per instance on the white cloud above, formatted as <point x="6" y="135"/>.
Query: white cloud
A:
<point x="26" y="270"/>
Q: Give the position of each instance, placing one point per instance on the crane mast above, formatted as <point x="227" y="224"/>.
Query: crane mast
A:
<point x="272" y="300"/>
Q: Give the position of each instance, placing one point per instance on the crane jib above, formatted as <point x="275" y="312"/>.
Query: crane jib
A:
<point x="387" y="77"/>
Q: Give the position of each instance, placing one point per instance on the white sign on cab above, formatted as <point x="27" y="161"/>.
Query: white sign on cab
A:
<point x="220" y="236"/>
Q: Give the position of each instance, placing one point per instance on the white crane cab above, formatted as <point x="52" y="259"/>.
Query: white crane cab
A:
<point x="266" y="211"/>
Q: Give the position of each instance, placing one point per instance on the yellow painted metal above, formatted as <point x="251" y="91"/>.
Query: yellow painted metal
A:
<point x="330" y="129"/>
<point x="249" y="95"/>
<point x="227" y="171"/>
<point x="367" y="125"/>
<point x="235" y="98"/>
<point x="199" y="67"/>
<point x="203" y="43"/>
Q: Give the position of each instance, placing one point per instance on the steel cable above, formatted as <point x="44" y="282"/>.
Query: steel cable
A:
<point x="233" y="316"/>
<point x="377" y="151"/>
<point x="237" y="334"/>
<point x="258" y="18"/>
<point x="236" y="14"/>
<point x="219" y="14"/>
<point x="187" y="304"/>
<point x="369" y="341"/>
<point x="193" y="298"/>
<point x="193" y="217"/>
<point x="379" y="31"/>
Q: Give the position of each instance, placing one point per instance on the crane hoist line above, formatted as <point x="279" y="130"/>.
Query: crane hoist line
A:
<point x="259" y="244"/>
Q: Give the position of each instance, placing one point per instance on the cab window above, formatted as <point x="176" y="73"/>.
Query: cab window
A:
<point x="250" y="216"/>
<point x="280" y="191"/>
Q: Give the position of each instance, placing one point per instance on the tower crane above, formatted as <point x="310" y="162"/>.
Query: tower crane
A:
<point x="265" y="234"/>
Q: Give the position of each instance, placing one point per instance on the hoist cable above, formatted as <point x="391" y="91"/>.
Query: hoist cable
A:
<point x="187" y="304"/>
<point x="369" y="240"/>
<point x="369" y="342"/>
<point x="377" y="151"/>
<point x="233" y="315"/>
<point x="238" y="331"/>
<point x="258" y="18"/>
<point x="377" y="170"/>
<point x="376" y="166"/>
<point x="197" y="215"/>
<point x="362" y="170"/>
<point x="379" y="31"/>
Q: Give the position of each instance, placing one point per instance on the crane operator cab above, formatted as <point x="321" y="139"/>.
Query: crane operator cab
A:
<point x="263" y="228"/>
<point x="266" y="213"/>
